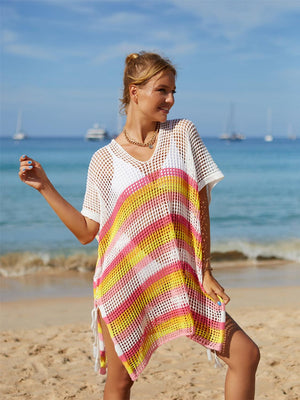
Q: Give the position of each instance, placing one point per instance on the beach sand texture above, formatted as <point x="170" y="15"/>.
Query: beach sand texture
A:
<point x="46" y="351"/>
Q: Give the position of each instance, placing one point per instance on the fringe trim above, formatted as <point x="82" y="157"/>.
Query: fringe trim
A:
<point x="217" y="360"/>
<point x="98" y="345"/>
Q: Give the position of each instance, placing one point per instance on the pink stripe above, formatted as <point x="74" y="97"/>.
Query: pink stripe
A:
<point x="143" y="182"/>
<point x="139" y="320"/>
<point x="173" y="293"/>
<point x="145" y="285"/>
<point x="181" y="332"/>
<point x="142" y="235"/>
<point x="148" y="331"/>
<point x="152" y="203"/>
<point x="163" y="249"/>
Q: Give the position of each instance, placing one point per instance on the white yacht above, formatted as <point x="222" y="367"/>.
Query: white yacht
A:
<point x="96" y="133"/>
<point x="269" y="138"/>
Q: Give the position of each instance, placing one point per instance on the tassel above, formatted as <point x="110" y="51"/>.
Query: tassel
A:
<point x="209" y="354"/>
<point x="96" y="350"/>
<point x="217" y="360"/>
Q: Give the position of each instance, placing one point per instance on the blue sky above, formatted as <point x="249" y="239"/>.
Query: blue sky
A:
<point x="62" y="62"/>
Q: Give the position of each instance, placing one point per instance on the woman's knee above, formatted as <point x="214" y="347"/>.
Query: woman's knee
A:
<point x="253" y="355"/>
<point x="248" y="354"/>
<point x="238" y="349"/>
<point x="119" y="380"/>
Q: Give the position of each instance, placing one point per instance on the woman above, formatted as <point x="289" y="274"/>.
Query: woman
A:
<point x="147" y="201"/>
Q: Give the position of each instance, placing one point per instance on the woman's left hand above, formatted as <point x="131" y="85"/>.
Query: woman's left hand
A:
<point x="213" y="288"/>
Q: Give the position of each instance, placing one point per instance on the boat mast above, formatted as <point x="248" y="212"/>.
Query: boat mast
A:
<point x="269" y="121"/>
<point x="230" y="122"/>
<point x="19" y="121"/>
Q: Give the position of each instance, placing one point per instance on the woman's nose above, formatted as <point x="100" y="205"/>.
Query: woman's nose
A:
<point x="170" y="98"/>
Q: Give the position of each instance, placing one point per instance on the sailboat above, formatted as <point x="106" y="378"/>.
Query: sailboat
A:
<point x="230" y="134"/>
<point x="19" y="134"/>
<point x="269" y="136"/>
<point x="291" y="135"/>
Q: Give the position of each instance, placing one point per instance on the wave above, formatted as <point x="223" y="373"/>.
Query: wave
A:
<point x="288" y="249"/>
<point x="18" y="264"/>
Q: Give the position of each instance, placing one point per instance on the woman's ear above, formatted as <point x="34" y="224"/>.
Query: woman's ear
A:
<point x="133" y="91"/>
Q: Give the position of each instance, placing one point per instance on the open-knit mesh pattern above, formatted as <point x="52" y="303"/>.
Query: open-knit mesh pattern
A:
<point x="148" y="277"/>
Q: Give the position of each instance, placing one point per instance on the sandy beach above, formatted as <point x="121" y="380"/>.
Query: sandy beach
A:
<point x="46" y="351"/>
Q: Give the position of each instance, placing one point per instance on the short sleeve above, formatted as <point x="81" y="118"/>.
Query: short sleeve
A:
<point x="208" y="173"/>
<point x="91" y="203"/>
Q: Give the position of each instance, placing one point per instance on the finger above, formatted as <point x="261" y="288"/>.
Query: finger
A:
<point x="25" y="168"/>
<point x="226" y="298"/>
<point x="24" y="157"/>
<point x="27" y="163"/>
<point x="214" y="297"/>
<point x="222" y="297"/>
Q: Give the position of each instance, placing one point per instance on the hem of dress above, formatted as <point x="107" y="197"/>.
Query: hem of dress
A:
<point x="99" y="350"/>
<point x="166" y="339"/>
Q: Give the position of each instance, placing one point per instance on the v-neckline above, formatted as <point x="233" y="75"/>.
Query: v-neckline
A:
<point x="126" y="153"/>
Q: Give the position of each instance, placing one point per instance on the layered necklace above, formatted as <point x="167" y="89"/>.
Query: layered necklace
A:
<point x="149" y="144"/>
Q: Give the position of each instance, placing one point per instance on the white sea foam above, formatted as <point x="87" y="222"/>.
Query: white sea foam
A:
<point x="286" y="249"/>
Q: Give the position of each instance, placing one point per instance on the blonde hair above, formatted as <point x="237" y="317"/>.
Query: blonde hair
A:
<point x="139" y="69"/>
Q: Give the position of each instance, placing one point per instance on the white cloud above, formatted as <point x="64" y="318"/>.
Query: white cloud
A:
<point x="8" y="36"/>
<point x="12" y="45"/>
<point x="123" y="19"/>
<point x="289" y="46"/>
<point x="84" y="7"/>
<point x="233" y="18"/>
<point x="118" y="50"/>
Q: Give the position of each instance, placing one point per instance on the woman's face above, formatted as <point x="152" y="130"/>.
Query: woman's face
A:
<point x="156" y="97"/>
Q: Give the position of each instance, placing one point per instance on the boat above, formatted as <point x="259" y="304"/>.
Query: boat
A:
<point x="269" y="137"/>
<point x="232" y="136"/>
<point x="291" y="135"/>
<point x="19" y="134"/>
<point x="96" y="133"/>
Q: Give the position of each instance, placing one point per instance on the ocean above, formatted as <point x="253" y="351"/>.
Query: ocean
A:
<point x="255" y="210"/>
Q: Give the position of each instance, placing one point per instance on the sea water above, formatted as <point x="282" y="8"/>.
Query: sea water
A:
<point x="255" y="210"/>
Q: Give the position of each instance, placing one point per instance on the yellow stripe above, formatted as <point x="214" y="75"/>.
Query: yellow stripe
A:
<point x="161" y="286"/>
<point x="209" y="333"/>
<point x="149" y="244"/>
<point x="143" y="195"/>
<point x="159" y="331"/>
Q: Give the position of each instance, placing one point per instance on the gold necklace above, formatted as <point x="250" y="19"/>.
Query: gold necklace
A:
<point x="149" y="144"/>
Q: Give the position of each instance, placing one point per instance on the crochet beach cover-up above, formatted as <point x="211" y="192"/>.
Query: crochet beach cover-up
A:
<point x="148" y="276"/>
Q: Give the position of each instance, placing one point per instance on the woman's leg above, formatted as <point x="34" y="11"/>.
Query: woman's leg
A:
<point x="118" y="382"/>
<point x="241" y="355"/>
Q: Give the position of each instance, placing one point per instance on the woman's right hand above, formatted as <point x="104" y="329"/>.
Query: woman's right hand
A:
<point x="32" y="173"/>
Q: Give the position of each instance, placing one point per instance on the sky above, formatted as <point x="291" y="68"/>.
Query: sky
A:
<point x="62" y="62"/>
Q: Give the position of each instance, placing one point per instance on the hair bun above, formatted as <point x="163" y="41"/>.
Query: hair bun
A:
<point x="131" y="57"/>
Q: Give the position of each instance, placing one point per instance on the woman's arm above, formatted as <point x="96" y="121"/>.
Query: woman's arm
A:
<point x="210" y="285"/>
<point x="32" y="173"/>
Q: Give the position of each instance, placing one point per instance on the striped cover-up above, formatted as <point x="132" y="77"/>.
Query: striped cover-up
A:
<point x="148" y="277"/>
